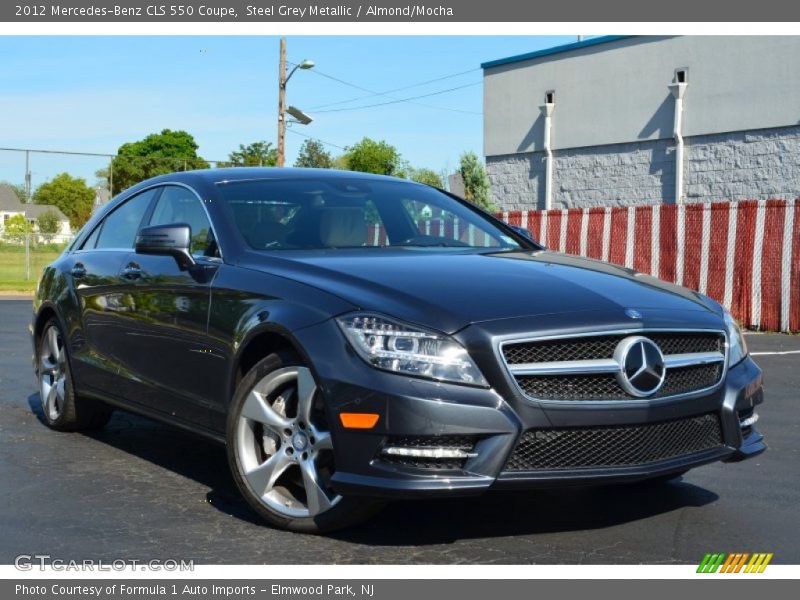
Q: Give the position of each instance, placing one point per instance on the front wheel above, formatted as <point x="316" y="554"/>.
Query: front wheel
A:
<point x="280" y="450"/>
<point x="63" y="409"/>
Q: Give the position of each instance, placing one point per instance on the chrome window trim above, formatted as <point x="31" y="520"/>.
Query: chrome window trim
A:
<point x="599" y="365"/>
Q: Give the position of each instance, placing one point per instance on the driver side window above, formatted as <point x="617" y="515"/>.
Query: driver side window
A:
<point x="180" y="205"/>
<point x="119" y="228"/>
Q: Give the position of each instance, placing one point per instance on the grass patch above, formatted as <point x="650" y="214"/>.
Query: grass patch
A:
<point x="12" y="266"/>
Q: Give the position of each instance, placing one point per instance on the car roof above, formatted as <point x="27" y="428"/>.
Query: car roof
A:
<point x="221" y="175"/>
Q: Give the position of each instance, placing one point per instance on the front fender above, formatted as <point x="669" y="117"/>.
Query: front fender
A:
<point x="246" y="304"/>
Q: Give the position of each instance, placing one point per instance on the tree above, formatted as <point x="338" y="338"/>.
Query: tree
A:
<point x="17" y="188"/>
<point x="157" y="154"/>
<point x="340" y="162"/>
<point x="70" y="195"/>
<point x="102" y="178"/>
<point x="49" y="224"/>
<point x="426" y="176"/>
<point x="257" y="154"/>
<point x="476" y="181"/>
<point x="313" y="155"/>
<point x="16" y="227"/>
<point x="369" y="156"/>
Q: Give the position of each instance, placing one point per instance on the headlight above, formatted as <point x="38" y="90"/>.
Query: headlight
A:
<point x="409" y="350"/>
<point x="737" y="347"/>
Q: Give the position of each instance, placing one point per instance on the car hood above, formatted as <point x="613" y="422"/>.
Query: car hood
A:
<point x="448" y="290"/>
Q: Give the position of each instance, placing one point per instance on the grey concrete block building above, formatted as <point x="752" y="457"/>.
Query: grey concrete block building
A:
<point x="622" y="120"/>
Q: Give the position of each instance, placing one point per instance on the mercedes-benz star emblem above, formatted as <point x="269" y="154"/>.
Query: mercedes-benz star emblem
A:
<point x="633" y="314"/>
<point x="299" y="441"/>
<point x="641" y="364"/>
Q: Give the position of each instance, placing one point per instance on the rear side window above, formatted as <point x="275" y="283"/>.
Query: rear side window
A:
<point x="119" y="228"/>
<point x="180" y="205"/>
<point x="91" y="241"/>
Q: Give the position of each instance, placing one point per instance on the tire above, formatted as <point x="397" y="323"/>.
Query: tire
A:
<point x="62" y="409"/>
<point x="280" y="450"/>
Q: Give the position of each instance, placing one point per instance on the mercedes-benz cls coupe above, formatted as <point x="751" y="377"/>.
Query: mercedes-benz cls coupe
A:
<point x="352" y="338"/>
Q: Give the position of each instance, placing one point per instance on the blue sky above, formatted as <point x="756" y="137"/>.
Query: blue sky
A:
<point x="91" y="94"/>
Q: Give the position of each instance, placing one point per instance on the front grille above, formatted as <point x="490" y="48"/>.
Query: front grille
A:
<point x="689" y="379"/>
<point x="603" y="346"/>
<point x="605" y="386"/>
<point x="561" y="350"/>
<point x="455" y="442"/>
<point x="562" y="377"/>
<point x="614" y="446"/>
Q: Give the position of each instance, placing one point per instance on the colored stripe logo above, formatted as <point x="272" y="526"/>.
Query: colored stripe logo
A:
<point x="738" y="562"/>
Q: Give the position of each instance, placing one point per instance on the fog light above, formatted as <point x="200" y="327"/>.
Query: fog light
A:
<point x="428" y="452"/>
<point x="749" y="421"/>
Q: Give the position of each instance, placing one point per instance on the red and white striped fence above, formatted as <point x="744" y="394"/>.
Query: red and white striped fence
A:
<point x="745" y="255"/>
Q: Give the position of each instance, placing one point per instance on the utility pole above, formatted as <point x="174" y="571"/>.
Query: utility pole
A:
<point x="27" y="176"/>
<point x="282" y="105"/>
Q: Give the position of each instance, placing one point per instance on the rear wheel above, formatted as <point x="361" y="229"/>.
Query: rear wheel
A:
<point x="280" y="449"/>
<point x="62" y="409"/>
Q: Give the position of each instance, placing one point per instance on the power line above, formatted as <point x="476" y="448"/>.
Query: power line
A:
<point x="394" y="99"/>
<point x="311" y="137"/>
<point x="399" y="100"/>
<point x="57" y="152"/>
<point x="399" y="89"/>
<point x="112" y="156"/>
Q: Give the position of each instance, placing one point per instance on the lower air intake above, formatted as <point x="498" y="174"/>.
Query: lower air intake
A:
<point x="614" y="446"/>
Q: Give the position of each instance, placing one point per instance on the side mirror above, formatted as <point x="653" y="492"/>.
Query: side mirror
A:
<point x="172" y="240"/>
<point x="523" y="232"/>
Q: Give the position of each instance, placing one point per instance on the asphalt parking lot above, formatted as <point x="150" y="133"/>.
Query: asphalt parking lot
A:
<point x="141" y="490"/>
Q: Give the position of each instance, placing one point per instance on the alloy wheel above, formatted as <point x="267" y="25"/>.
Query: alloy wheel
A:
<point x="52" y="373"/>
<point x="283" y="446"/>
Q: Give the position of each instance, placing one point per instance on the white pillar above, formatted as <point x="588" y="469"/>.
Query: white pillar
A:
<point x="678" y="90"/>
<point x="547" y="111"/>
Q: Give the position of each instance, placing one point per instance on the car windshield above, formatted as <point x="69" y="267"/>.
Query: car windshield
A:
<point x="276" y="214"/>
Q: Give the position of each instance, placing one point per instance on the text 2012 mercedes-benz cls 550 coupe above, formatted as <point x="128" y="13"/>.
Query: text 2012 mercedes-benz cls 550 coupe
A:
<point x="352" y="338"/>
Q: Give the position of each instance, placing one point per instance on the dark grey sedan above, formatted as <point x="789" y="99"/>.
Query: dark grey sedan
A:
<point x="352" y="338"/>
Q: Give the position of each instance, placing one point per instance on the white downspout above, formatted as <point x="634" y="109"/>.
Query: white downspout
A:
<point x="547" y="111"/>
<point x="678" y="90"/>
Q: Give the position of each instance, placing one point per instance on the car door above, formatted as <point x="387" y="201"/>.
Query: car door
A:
<point x="166" y="344"/>
<point x="98" y="357"/>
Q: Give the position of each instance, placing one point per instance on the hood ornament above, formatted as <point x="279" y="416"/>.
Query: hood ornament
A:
<point x="633" y="314"/>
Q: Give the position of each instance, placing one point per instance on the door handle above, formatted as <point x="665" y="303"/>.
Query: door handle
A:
<point x="131" y="271"/>
<point x="78" y="270"/>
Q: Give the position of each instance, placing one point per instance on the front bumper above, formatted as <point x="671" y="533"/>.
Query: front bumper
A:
<point x="496" y="418"/>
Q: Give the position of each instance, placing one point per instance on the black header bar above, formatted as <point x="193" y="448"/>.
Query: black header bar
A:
<point x="446" y="11"/>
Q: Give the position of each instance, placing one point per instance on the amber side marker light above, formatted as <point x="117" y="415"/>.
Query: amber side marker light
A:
<point x="359" y="420"/>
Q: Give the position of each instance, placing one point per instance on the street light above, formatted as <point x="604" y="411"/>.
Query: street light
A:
<point x="306" y="64"/>
<point x="298" y="114"/>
